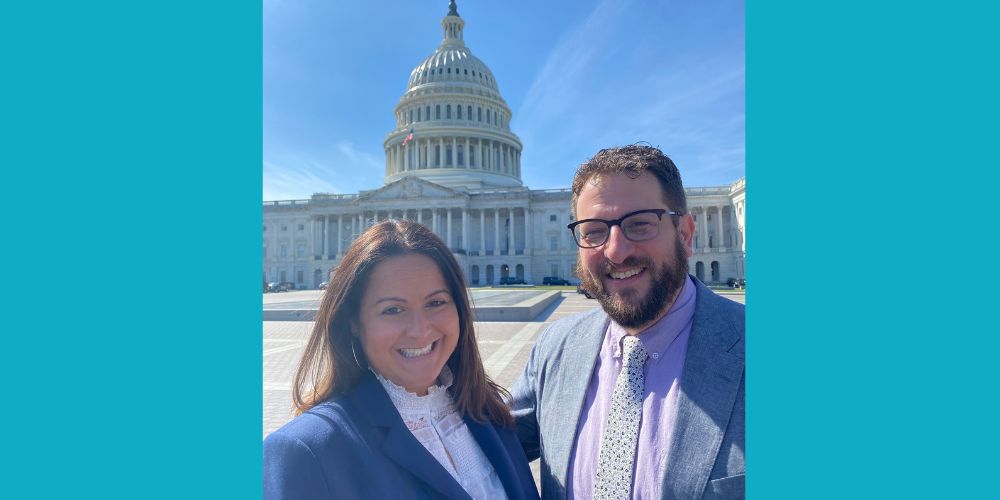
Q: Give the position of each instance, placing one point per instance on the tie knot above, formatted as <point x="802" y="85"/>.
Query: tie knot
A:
<point x="633" y="350"/>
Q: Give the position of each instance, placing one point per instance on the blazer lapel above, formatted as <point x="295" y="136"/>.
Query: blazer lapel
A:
<point x="709" y="385"/>
<point x="578" y="356"/>
<point x="498" y="455"/>
<point x="400" y="445"/>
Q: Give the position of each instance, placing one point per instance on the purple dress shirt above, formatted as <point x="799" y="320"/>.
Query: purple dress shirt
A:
<point x="666" y="342"/>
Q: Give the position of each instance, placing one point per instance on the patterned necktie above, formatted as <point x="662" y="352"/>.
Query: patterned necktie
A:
<point x="617" y="455"/>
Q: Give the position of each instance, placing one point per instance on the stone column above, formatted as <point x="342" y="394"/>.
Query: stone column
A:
<point x="496" y="228"/>
<point x="527" y="231"/>
<point x="317" y="239"/>
<point x="482" y="231"/>
<point x="340" y="235"/>
<point x="704" y="228"/>
<point x="722" y="237"/>
<point x="454" y="154"/>
<point x="420" y="216"/>
<point x="512" y="246"/>
<point x="321" y="226"/>
<point x="482" y="164"/>
<point x="465" y="230"/>
<point x="448" y="229"/>
<point x="434" y="221"/>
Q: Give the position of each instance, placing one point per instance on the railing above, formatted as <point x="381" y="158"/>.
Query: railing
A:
<point x="330" y="196"/>
<point x="724" y="190"/>
<point x="285" y="203"/>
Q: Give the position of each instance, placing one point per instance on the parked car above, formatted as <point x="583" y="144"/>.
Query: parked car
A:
<point x="552" y="280"/>
<point x="732" y="282"/>
<point x="288" y="285"/>
<point x="742" y="283"/>
<point x="323" y="285"/>
<point x="511" y="280"/>
<point x="284" y="286"/>
<point x="581" y="289"/>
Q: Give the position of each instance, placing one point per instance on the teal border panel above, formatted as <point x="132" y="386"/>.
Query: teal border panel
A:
<point x="131" y="351"/>
<point x="871" y="159"/>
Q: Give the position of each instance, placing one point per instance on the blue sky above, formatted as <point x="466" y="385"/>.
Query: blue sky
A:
<point x="578" y="76"/>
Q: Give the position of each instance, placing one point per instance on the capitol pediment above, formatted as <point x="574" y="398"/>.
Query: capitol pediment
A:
<point x="410" y="188"/>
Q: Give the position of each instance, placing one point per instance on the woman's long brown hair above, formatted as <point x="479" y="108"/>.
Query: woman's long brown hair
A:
<point x="332" y="363"/>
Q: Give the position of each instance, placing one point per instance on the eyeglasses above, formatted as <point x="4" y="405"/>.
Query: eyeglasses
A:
<point x="640" y="225"/>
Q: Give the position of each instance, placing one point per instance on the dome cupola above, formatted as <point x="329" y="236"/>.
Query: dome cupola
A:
<point x="452" y="125"/>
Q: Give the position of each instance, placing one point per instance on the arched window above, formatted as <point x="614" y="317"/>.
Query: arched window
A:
<point x="469" y="114"/>
<point x="427" y="111"/>
<point x="437" y="112"/>
<point x="448" y="112"/>
<point x="480" y="113"/>
<point x="459" y="112"/>
<point x="418" y="114"/>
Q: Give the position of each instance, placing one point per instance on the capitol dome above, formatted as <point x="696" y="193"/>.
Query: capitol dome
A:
<point x="452" y="125"/>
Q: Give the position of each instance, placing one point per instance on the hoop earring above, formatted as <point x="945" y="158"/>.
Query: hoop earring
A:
<point x="355" y="354"/>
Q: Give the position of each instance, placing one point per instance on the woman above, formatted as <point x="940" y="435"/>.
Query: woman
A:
<point x="392" y="397"/>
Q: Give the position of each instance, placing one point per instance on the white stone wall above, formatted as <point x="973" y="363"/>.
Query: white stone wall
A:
<point x="551" y="244"/>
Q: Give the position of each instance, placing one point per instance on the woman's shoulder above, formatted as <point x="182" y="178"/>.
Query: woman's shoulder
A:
<point x="302" y="456"/>
<point x="327" y="421"/>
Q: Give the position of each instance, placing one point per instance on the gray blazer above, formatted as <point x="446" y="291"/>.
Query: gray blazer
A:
<point x="705" y="459"/>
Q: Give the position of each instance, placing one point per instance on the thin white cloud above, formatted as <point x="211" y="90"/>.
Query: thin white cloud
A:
<point x="364" y="165"/>
<point x="603" y="84"/>
<point x="297" y="177"/>
<point x="293" y="183"/>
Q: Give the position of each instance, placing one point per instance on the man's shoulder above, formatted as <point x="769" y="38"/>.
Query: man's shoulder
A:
<point x="721" y="318"/>
<point x="560" y="330"/>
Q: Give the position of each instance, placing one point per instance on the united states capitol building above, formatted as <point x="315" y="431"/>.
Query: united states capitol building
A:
<point x="459" y="172"/>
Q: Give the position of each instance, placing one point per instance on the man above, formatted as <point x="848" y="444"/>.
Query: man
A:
<point x="644" y="397"/>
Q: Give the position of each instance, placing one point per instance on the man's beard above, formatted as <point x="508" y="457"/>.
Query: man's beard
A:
<point x="628" y="309"/>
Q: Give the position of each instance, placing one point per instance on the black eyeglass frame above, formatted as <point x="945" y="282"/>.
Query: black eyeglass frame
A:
<point x="618" y="222"/>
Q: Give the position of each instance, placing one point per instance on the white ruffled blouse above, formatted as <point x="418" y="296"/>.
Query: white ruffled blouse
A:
<point x="437" y="424"/>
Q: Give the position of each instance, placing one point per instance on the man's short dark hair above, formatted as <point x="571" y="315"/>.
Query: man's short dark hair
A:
<point x="633" y="160"/>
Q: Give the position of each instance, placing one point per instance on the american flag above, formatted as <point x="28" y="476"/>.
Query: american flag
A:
<point x="408" y="137"/>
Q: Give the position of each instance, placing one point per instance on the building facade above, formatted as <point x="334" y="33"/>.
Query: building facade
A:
<point x="453" y="163"/>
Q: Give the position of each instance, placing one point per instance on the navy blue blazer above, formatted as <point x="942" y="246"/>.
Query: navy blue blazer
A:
<point x="357" y="446"/>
